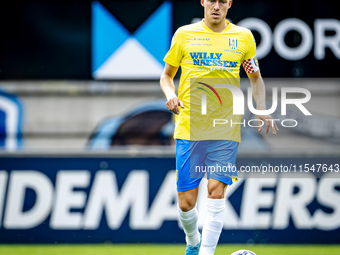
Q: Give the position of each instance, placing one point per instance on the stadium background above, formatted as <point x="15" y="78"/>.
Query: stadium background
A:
<point x="86" y="150"/>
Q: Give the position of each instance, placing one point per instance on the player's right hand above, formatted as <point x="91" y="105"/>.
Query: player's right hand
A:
<point x="173" y="105"/>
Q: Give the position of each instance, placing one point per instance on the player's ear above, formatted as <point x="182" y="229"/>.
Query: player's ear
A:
<point x="202" y="2"/>
<point x="230" y="3"/>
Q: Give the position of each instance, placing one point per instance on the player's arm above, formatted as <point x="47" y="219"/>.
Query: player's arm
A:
<point x="168" y="87"/>
<point x="259" y="94"/>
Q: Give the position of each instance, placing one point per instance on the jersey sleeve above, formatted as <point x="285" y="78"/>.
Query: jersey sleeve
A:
<point x="250" y="63"/>
<point x="175" y="54"/>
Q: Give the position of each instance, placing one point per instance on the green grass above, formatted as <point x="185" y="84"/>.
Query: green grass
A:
<point x="150" y="249"/>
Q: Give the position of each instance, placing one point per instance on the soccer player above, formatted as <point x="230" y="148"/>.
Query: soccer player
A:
<point x="211" y="48"/>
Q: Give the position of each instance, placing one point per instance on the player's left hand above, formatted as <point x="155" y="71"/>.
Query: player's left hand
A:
<point x="268" y="121"/>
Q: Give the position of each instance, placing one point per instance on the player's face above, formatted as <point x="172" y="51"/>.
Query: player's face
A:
<point x="216" y="10"/>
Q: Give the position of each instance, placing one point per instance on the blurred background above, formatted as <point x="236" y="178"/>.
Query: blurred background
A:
<point x="86" y="147"/>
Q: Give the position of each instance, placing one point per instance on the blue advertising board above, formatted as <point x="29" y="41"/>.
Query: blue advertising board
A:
<point x="133" y="200"/>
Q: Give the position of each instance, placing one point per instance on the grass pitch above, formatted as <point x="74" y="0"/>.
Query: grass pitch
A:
<point x="152" y="249"/>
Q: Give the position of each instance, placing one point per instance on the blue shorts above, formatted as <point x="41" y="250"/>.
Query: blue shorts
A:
<point x="194" y="159"/>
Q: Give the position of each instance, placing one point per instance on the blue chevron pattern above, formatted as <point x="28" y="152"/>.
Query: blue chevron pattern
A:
<point x="108" y="34"/>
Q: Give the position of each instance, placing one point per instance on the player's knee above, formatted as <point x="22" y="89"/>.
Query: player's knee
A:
<point x="215" y="195"/>
<point x="186" y="205"/>
<point x="216" y="189"/>
<point x="187" y="199"/>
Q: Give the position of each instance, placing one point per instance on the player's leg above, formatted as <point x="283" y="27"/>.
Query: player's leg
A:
<point x="220" y="153"/>
<point x="187" y="199"/>
<point x="214" y="220"/>
<point x="188" y="215"/>
<point x="187" y="188"/>
<point x="216" y="189"/>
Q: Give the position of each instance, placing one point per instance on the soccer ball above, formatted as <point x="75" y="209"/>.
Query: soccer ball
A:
<point x="243" y="252"/>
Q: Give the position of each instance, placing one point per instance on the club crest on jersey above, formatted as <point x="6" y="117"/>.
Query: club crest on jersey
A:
<point x="233" y="43"/>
